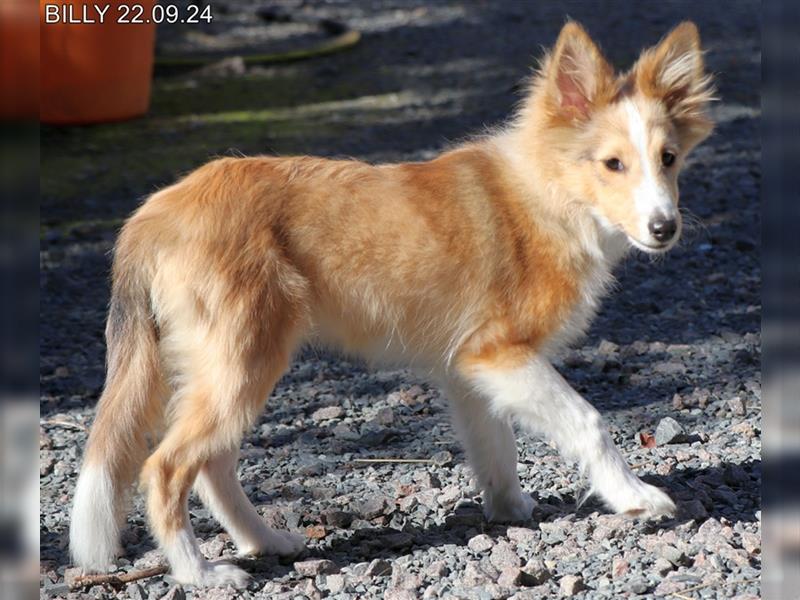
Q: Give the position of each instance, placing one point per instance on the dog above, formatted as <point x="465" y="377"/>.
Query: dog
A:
<point x="474" y="266"/>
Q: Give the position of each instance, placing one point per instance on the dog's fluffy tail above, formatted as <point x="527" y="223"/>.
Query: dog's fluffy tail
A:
<point x="130" y="410"/>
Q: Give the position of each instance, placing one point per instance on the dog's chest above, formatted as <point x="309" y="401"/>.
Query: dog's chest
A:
<point x="591" y="292"/>
<point x="595" y="283"/>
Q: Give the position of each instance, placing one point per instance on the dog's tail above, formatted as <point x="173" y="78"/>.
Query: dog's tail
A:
<point x="129" y="412"/>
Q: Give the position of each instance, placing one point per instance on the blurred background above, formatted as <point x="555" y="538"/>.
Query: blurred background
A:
<point x="126" y="109"/>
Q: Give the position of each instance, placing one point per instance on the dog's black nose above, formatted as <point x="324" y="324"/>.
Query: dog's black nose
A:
<point x="662" y="228"/>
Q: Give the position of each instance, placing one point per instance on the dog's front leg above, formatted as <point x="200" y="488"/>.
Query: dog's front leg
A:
<point x="491" y="449"/>
<point x="535" y="394"/>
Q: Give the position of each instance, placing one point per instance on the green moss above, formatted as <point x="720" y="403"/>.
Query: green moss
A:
<point x="184" y="95"/>
<point x="103" y="171"/>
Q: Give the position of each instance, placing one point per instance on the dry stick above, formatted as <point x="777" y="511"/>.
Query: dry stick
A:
<point x="63" y="423"/>
<point x="705" y="585"/>
<point x="394" y="460"/>
<point x="635" y="466"/>
<point x="116" y="579"/>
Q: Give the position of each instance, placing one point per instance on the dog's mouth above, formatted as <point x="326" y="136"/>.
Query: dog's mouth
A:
<point x="652" y="248"/>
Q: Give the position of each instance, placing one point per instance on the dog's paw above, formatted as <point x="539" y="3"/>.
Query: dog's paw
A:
<point x="646" y="502"/>
<point x="273" y="541"/>
<point x="293" y="544"/>
<point x="216" y="574"/>
<point x="509" y="510"/>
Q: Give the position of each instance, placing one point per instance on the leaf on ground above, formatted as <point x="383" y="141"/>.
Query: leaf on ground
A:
<point x="316" y="532"/>
<point x="647" y="440"/>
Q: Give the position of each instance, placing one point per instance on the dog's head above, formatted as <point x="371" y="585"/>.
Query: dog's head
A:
<point x="619" y="141"/>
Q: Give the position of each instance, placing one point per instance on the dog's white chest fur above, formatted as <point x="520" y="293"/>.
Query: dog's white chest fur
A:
<point x="605" y="246"/>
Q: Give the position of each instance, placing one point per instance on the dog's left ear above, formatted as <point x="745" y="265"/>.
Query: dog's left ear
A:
<point x="674" y="72"/>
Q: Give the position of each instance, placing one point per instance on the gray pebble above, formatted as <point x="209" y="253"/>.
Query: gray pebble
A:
<point x="378" y="567"/>
<point x="737" y="406"/>
<point x="317" y="566"/>
<point x="504" y="555"/>
<point x="639" y="586"/>
<point x="327" y="413"/>
<point x="480" y="543"/>
<point x="56" y="589"/>
<point x="511" y="577"/>
<point x="522" y="535"/>
<point x="374" y="507"/>
<point x="442" y="458"/>
<point x="175" y="593"/>
<point x="668" y="431"/>
<point x="672" y="554"/>
<point x="569" y="585"/>
<point x="335" y="583"/>
<point x="662" y="566"/>
<point x="338" y="518"/>
<point x="135" y="592"/>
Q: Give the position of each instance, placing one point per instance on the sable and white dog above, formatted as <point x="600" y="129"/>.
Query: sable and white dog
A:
<point x="474" y="266"/>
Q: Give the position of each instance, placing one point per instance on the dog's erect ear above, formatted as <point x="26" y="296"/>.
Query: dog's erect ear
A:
<point x="578" y="76"/>
<point x="674" y="72"/>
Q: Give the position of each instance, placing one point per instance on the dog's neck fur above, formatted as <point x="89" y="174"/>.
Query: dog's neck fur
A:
<point x="594" y="241"/>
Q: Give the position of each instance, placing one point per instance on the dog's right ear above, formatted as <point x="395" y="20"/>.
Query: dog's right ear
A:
<point x="577" y="76"/>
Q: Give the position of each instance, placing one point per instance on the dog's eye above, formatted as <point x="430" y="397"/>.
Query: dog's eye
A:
<point x="667" y="158"/>
<point x="614" y="164"/>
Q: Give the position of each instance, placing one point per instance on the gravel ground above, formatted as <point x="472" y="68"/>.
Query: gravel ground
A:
<point x="674" y="354"/>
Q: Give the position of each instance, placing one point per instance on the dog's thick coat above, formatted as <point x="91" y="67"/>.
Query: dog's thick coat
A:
<point x="473" y="266"/>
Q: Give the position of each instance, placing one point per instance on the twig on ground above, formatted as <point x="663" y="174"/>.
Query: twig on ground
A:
<point x="63" y="423"/>
<point x="116" y="579"/>
<point x="426" y="461"/>
<point x="682" y="593"/>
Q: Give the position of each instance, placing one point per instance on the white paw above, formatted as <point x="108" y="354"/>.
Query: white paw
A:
<point x="216" y="574"/>
<point x="507" y="510"/>
<point x="644" y="501"/>
<point x="273" y="541"/>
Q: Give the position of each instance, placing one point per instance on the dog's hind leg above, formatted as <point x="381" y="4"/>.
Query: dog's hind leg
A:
<point x="207" y="427"/>
<point x="220" y="490"/>
<point x="195" y="435"/>
<point x="230" y="364"/>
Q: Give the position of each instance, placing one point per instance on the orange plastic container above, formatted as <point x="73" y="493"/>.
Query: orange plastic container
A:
<point x="93" y="72"/>
<point x="19" y="61"/>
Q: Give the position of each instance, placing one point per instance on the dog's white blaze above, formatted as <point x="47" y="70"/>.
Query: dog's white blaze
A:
<point x="650" y="198"/>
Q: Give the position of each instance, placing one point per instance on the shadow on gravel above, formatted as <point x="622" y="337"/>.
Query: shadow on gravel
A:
<point x="731" y="491"/>
<point x="728" y="491"/>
